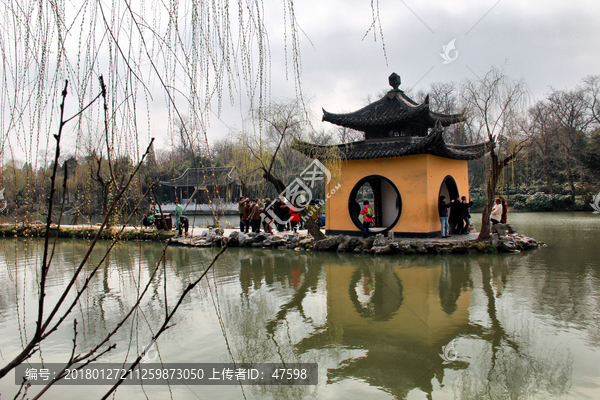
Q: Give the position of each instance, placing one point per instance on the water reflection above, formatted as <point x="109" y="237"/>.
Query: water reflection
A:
<point x="525" y="325"/>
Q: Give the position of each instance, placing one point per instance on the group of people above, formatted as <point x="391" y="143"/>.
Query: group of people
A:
<point x="251" y="211"/>
<point x="460" y="218"/>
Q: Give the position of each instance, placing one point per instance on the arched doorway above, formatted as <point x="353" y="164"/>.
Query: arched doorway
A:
<point x="383" y="196"/>
<point x="449" y="189"/>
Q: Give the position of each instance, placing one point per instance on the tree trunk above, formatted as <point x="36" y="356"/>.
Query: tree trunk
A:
<point x="548" y="177"/>
<point x="495" y="171"/>
<point x="570" y="177"/>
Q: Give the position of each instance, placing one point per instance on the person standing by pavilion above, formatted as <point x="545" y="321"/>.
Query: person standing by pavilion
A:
<point x="367" y="214"/>
<point x="466" y="215"/>
<point x="178" y="214"/>
<point x="456" y="216"/>
<point x="443" y="212"/>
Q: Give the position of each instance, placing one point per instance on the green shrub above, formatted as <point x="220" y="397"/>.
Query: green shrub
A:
<point x="561" y="202"/>
<point x="518" y="205"/>
<point x="539" y="202"/>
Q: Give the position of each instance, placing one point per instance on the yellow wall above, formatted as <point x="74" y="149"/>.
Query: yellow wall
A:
<point x="418" y="178"/>
<point x="420" y="317"/>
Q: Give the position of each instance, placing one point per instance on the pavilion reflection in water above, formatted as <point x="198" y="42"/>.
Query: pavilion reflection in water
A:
<point x="398" y="316"/>
<point x="401" y="316"/>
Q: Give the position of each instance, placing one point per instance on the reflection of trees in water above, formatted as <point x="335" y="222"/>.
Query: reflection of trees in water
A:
<point x="376" y="291"/>
<point x="510" y="366"/>
<point x="454" y="279"/>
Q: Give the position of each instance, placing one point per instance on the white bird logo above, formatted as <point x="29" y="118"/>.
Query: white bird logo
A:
<point x="448" y="353"/>
<point x="446" y="54"/>
<point x="595" y="205"/>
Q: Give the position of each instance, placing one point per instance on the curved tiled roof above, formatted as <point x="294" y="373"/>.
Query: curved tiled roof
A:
<point x="431" y="144"/>
<point x="392" y="112"/>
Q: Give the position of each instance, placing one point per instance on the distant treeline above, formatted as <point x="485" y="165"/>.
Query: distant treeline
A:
<point x="558" y="168"/>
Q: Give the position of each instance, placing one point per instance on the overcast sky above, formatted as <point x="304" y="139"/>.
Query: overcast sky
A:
<point x="547" y="43"/>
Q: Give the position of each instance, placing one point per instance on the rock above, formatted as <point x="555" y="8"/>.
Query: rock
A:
<point x="292" y="238"/>
<point x="421" y="249"/>
<point x="507" y="246"/>
<point x="267" y="243"/>
<point x="327" y="244"/>
<point x="234" y="239"/>
<point x="511" y="229"/>
<point x="219" y="231"/>
<point x="380" y="240"/>
<point x="381" y="249"/>
<point x="204" y="234"/>
<point x="342" y="242"/>
<point x="256" y="244"/>
<point x="304" y="242"/>
<point x="495" y="239"/>
<point x="350" y="245"/>
<point x="390" y="236"/>
<point x="368" y="243"/>
<point x="244" y="240"/>
<point x="260" y="237"/>
<point x="500" y="229"/>
<point x="282" y="248"/>
<point x="459" y="249"/>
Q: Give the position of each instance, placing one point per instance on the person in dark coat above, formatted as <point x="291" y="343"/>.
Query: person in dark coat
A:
<point x="443" y="212"/>
<point x="246" y="215"/>
<point x="278" y="213"/>
<point x="504" y="211"/>
<point x="466" y="215"/>
<point x="184" y="224"/>
<point x="241" y="205"/>
<point x="456" y="216"/>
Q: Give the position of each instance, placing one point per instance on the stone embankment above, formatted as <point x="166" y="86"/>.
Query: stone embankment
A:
<point x="504" y="239"/>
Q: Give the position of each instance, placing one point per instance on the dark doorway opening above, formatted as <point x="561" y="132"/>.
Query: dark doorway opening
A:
<point x="383" y="196"/>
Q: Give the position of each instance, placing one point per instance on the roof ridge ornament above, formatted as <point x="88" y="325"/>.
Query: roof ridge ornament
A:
<point x="394" y="80"/>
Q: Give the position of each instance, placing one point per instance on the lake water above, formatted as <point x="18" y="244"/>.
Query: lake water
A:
<point x="521" y="325"/>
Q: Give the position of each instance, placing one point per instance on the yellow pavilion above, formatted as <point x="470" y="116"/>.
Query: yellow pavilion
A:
<point x="402" y="166"/>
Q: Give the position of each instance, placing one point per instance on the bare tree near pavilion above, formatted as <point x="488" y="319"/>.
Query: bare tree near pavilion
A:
<point x="283" y="123"/>
<point x="496" y="104"/>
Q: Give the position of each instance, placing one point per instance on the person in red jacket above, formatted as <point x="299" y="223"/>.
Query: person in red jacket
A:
<point x="368" y="217"/>
<point x="295" y="219"/>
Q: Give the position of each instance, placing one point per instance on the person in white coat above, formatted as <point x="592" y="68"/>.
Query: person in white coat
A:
<point x="496" y="214"/>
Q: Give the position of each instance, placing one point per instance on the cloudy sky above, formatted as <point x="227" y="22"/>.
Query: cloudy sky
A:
<point x="546" y="43"/>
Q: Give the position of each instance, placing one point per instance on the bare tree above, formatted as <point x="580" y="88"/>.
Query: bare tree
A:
<point x="496" y="105"/>
<point x="278" y="125"/>
<point x="542" y="135"/>
<point x="569" y="110"/>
